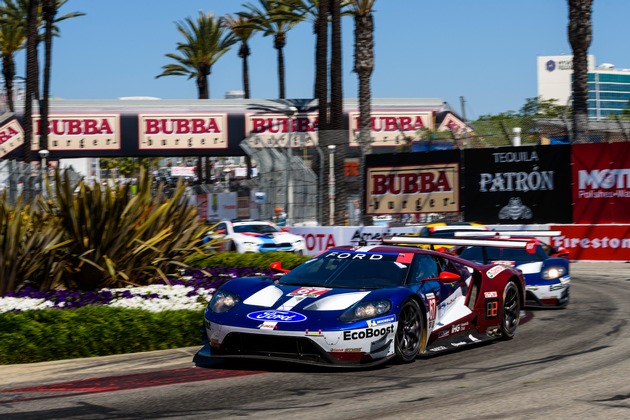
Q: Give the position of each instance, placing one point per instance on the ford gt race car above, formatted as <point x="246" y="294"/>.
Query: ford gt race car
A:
<point x="545" y="268"/>
<point x="364" y="305"/>
<point x="257" y="236"/>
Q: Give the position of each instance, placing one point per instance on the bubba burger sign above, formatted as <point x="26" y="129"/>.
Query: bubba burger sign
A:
<point x="413" y="189"/>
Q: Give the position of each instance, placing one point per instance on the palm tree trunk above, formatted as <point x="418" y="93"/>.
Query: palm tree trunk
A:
<point x="49" y="12"/>
<point x="340" y="138"/>
<point x="363" y="66"/>
<point x="8" y="73"/>
<point x="203" y="91"/>
<point x="580" y="36"/>
<point x="31" y="77"/>
<point x="321" y="92"/>
<point x="281" y="73"/>
<point x="244" y="53"/>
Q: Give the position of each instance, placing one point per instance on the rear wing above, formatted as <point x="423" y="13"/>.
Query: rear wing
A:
<point x="509" y="233"/>
<point x="418" y="240"/>
<point x="528" y="245"/>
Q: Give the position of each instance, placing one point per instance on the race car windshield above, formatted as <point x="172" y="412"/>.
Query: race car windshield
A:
<point x="255" y="228"/>
<point x="475" y="253"/>
<point x="353" y="270"/>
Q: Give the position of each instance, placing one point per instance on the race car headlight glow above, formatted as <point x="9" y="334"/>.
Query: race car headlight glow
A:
<point x="366" y="310"/>
<point x="551" y="273"/>
<point x="223" y="301"/>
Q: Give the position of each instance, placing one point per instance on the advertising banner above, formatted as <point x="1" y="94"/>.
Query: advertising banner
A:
<point x="206" y="131"/>
<point x="526" y="184"/>
<point x="319" y="238"/>
<point x="412" y="183"/>
<point x="86" y="132"/>
<point x="601" y="177"/>
<point x="389" y="128"/>
<point x="594" y="242"/>
<point x="11" y="136"/>
<point x="280" y="131"/>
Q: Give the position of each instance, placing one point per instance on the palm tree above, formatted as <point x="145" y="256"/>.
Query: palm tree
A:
<point x="242" y="31"/>
<point x="49" y="13"/>
<point x="580" y="35"/>
<point x="12" y="37"/>
<point x="273" y="18"/>
<point x="31" y="76"/>
<point x="363" y="67"/>
<point x="336" y="111"/>
<point x="206" y="40"/>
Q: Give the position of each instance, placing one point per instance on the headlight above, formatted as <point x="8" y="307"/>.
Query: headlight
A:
<point x="366" y="310"/>
<point x="551" y="273"/>
<point x="223" y="301"/>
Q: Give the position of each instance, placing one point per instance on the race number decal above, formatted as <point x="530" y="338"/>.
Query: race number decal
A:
<point x="312" y="292"/>
<point x="432" y="309"/>
<point x="492" y="308"/>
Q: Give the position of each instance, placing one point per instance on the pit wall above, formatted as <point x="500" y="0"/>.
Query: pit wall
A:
<point x="584" y="242"/>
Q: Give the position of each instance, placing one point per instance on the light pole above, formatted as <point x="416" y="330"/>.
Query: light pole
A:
<point x="43" y="154"/>
<point x="331" y="183"/>
<point x="289" y="111"/>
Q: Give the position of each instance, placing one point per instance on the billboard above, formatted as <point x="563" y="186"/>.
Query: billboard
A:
<point x="412" y="183"/>
<point x="601" y="176"/>
<point x="526" y="184"/>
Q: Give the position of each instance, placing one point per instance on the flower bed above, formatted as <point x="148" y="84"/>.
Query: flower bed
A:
<point x="191" y="290"/>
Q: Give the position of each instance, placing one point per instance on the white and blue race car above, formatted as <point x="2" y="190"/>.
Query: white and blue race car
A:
<point x="363" y="305"/>
<point x="546" y="269"/>
<point x="257" y="236"/>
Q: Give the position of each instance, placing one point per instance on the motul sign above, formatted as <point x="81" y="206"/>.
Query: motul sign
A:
<point x="182" y="131"/>
<point x="79" y="132"/>
<point x="391" y="128"/>
<point x="601" y="187"/>
<point x="11" y="137"/>
<point x="413" y="189"/>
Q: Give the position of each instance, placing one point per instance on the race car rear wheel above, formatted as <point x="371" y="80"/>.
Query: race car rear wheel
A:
<point x="511" y="313"/>
<point x="409" y="332"/>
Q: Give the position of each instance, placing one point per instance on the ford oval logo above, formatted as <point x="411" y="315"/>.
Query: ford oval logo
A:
<point x="277" y="316"/>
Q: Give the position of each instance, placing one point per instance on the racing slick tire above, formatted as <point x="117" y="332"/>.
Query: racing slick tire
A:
<point x="511" y="311"/>
<point x="231" y="246"/>
<point x="409" y="332"/>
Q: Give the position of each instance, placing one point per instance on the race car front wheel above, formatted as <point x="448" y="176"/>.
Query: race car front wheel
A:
<point x="511" y="310"/>
<point x="409" y="332"/>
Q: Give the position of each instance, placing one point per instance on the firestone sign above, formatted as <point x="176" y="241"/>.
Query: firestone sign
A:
<point x="182" y="131"/>
<point x="413" y="189"/>
<point x="79" y="132"/>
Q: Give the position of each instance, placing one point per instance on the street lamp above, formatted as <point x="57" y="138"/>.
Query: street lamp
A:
<point x="289" y="111"/>
<point x="331" y="183"/>
<point x="43" y="154"/>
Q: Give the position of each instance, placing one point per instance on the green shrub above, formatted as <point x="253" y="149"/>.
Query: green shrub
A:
<point x="37" y="336"/>
<point x="254" y="260"/>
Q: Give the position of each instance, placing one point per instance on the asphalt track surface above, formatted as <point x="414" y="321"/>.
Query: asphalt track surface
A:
<point x="571" y="363"/>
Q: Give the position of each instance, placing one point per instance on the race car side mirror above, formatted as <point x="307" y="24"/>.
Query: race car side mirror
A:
<point x="561" y="253"/>
<point x="277" y="267"/>
<point x="448" y="277"/>
<point x="220" y="231"/>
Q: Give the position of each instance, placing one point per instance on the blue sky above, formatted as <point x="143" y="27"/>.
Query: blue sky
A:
<point x="483" y="50"/>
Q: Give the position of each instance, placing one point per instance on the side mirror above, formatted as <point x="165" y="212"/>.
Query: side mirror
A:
<point x="561" y="253"/>
<point x="220" y="231"/>
<point x="284" y="229"/>
<point x="448" y="277"/>
<point x="277" y="267"/>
